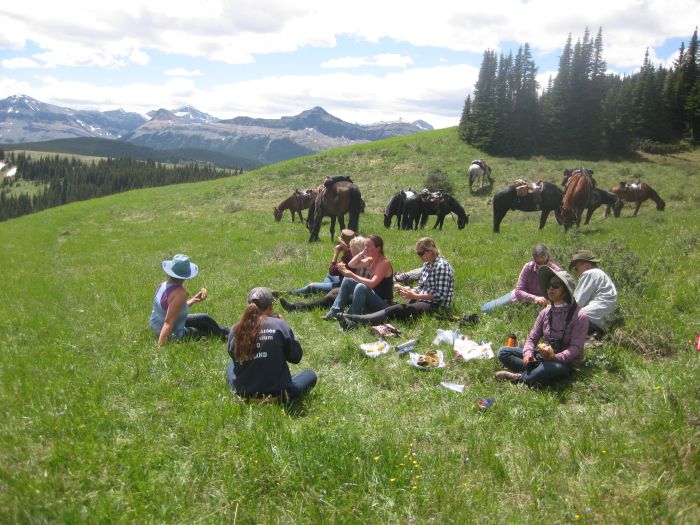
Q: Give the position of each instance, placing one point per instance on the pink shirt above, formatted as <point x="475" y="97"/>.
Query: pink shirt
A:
<point x="528" y="286"/>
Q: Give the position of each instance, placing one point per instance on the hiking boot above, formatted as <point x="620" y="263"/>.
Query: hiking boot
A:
<point x="345" y="323"/>
<point x="331" y="315"/>
<point x="287" y="305"/>
<point x="507" y="375"/>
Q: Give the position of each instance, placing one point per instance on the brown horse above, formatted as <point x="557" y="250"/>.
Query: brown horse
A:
<point x="638" y="193"/>
<point x="297" y="201"/>
<point x="335" y="201"/>
<point x="576" y="197"/>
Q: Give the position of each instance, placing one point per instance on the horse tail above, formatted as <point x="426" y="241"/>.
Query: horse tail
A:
<point x="355" y="207"/>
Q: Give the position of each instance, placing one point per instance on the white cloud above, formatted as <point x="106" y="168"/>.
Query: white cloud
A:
<point x="183" y="72"/>
<point x="81" y="32"/>
<point x="18" y="63"/>
<point x="139" y="57"/>
<point x="381" y="60"/>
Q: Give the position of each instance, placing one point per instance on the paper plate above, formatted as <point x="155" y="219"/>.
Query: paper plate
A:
<point x="375" y="349"/>
<point x="413" y="361"/>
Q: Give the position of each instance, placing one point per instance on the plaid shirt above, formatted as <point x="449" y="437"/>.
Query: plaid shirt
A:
<point x="438" y="279"/>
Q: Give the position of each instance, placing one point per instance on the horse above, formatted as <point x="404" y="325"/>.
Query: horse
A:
<point x="297" y="201"/>
<point x="442" y="205"/>
<point x="600" y="197"/>
<point x="638" y="193"/>
<point x="479" y="172"/>
<point x="569" y="172"/>
<point x="395" y="207"/>
<point x="341" y="198"/>
<point x="576" y="199"/>
<point x="507" y="199"/>
<point x="411" y="211"/>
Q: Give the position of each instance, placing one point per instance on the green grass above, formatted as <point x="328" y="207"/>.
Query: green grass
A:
<point x="27" y="187"/>
<point x="99" y="425"/>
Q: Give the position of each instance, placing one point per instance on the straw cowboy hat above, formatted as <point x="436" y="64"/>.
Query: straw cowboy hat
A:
<point x="583" y="255"/>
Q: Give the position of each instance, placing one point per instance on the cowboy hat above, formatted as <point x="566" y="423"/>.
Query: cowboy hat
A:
<point x="583" y="255"/>
<point x="180" y="267"/>
<point x="346" y="236"/>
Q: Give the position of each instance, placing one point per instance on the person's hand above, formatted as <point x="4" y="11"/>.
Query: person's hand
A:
<point x="406" y="292"/>
<point x="201" y="295"/>
<point x="342" y="268"/>
<point x="528" y="358"/>
<point x="542" y="301"/>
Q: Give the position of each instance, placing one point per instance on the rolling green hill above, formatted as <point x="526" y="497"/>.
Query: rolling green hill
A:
<point x="96" y="147"/>
<point x="99" y="425"/>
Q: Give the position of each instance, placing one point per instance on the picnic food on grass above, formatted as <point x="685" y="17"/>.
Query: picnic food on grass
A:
<point x="375" y="349"/>
<point x="429" y="359"/>
<point x="203" y="293"/>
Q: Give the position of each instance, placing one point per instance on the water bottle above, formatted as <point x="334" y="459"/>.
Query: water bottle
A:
<point x="512" y="340"/>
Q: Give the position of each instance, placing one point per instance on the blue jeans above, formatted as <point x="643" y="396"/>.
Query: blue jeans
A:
<point x="329" y="282"/>
<point x="360" y="297"/>
<point x="301" y="382"/>
<point x="544" y="373"/>
<point x="497" y="303"/>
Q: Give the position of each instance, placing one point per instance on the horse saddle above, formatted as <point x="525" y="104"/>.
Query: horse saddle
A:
<point x="428" y="196"/>
<point x="328" y="183"/>
<point x="524" y="187"/>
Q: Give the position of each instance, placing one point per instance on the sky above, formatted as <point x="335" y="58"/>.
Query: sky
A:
<point x="362" y="61"/>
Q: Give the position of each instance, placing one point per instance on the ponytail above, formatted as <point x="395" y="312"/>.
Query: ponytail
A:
<point x="246" y="333"/>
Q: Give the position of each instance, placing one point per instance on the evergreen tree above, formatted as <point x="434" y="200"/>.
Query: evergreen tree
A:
<point x="463" y="128"/>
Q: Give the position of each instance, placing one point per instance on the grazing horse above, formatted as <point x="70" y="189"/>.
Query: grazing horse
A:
<point x="341" y="198"/>
<point x="569" y="172"/>
<point x="297" y="201"/>
<point x="638" y="193"/>
<point x="576" y="199"/>
<point x="600" y="197"/>
<point x="442" y="205"/>
<point x="507" y="199"/>
<point x="479" y="172"/>
<point x="395" y="207"/>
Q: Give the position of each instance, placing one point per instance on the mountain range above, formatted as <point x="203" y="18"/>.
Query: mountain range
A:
<point x="262" y="141"/>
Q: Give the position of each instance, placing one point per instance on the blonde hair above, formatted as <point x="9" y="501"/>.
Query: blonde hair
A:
<point x="357" y="243"/>
<point x="426" y="244"/>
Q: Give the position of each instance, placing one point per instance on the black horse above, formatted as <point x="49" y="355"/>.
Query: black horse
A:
<point x="600" y="197"/>
<point x="507" y="199"/>
<point x="395" y="207"/>
<point x="443" y="206"/>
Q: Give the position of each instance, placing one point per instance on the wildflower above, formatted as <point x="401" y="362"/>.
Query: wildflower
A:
<point x="376" y="458"/>
<point x="392" y="480"/>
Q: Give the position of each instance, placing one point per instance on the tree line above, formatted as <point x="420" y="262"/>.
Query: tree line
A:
<point x="65" y="180"/>
<point x="585" y="111"/>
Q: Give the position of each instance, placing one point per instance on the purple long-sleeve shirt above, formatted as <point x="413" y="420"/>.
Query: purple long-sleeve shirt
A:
<point x="528" y="287"/>
<point x="573" y="337"/>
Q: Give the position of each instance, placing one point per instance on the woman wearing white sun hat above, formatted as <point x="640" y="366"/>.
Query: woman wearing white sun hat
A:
<point x="170" y="317"/>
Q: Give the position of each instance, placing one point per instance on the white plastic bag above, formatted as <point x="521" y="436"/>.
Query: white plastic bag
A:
<point x="467" y="349"/>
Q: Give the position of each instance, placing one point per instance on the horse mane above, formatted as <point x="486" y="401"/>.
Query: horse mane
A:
<point x="457" y="207"/>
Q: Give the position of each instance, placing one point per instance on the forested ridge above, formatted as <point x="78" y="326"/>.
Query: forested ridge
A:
<point x="67" y="180"/>
<point x="585" y="111"/>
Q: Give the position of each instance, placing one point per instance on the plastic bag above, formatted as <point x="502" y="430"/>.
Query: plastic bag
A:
<point x="467" y="350"/>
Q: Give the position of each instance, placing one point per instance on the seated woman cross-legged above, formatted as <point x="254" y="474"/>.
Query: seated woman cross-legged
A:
<point x="260" y="345"/>
<point x="434" y="291"/>
<point x="562" y="325"/>
<point x="365" y="294"/>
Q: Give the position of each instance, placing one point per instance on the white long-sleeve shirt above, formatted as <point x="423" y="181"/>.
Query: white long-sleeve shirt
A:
<point x="596" y="295"/>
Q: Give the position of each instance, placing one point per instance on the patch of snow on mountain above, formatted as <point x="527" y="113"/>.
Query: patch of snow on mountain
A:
<point x="11" y="172"/>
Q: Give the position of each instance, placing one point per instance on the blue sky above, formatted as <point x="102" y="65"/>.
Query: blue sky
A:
<point x="363" y="61"/>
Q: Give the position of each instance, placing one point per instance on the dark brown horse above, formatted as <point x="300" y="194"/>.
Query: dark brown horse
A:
<point x="341" y="198"/>
<point x="576" y="197"/>
<point x="297" y="201"/>
<point x="638" y="193"/>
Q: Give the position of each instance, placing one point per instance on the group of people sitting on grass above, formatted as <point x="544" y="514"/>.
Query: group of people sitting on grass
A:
<point x="362" y="280"/>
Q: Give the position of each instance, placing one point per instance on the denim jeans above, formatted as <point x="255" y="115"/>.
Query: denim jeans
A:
<point x="544" y="373"/>
<point x="301" y="382"/>
<point x="360" y="297"/>
<point x="329" y="282"/>
<point x="497" y="303"/>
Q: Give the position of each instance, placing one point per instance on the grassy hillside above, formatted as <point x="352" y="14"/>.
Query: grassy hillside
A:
<point x="99" y="425"/>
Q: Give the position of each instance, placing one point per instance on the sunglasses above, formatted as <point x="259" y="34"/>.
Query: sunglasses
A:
<point x="420" y="254"/>
<point x="556" y="286"/>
